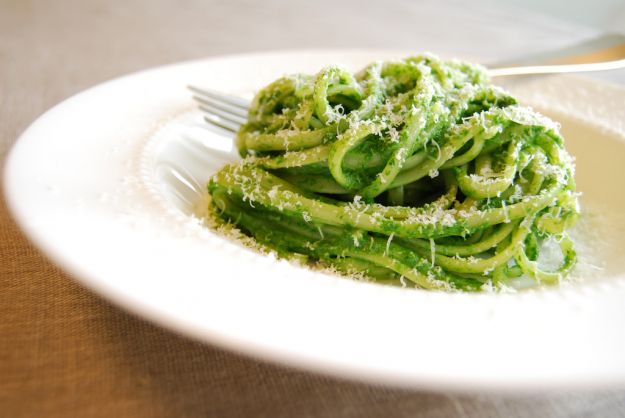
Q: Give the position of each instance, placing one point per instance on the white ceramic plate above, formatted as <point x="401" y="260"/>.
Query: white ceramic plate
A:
<point x="91" y="183"/>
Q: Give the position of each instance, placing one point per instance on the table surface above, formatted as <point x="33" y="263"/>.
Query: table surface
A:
<point x="66" y="352"/>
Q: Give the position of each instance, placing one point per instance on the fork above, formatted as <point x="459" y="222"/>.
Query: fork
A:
<point x="221" y="110"/>
<point x="607" y="52"/>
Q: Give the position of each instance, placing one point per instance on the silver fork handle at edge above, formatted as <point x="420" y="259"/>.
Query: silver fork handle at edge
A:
<point x="602" y="53"/>
<point x="557" y="69"/>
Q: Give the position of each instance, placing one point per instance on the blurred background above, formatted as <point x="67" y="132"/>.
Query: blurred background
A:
<point x="65" y="352"/>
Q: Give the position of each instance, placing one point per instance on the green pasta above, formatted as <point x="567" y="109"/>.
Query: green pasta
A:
<point x="413" y="171"/>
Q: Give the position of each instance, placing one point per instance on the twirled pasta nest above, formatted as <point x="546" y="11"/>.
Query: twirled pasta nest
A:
<point x="416" y="170"/>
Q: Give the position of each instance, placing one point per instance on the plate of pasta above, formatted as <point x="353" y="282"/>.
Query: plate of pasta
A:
<point x="388" y="216"/>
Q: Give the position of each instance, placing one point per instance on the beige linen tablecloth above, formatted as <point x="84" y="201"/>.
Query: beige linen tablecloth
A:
<point x="66" y="352"/>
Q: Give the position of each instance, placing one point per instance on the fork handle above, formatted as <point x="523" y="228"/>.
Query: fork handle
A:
<point x="606" y="52"/>
<point x="552" y="69"/>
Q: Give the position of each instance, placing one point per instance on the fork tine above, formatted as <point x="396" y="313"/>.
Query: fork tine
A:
<point x="221" y="106"/>
<point x="214" y="111"/>
<point x="222" y="111"/>
<point x="232" y="128"/>
<point x="220" y="97"/>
